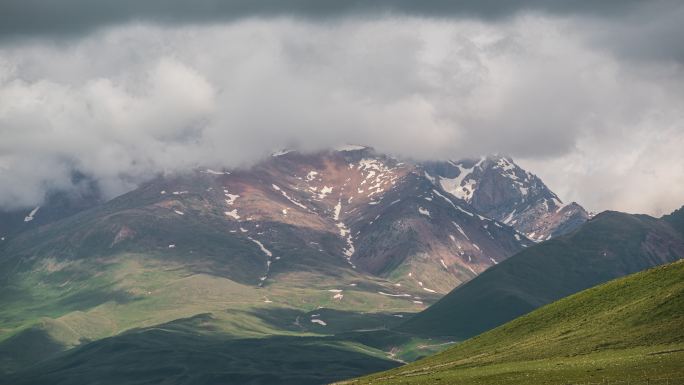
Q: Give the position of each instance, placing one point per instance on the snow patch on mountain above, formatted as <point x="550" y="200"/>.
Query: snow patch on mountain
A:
<point x="424" y="211"/>
<point x="264" y="250"/>
<point x="430" y="178"/>
<point x="460" y="230"/>
<point x="325" y="190"/>
<point x="281" y="153"/>
<point x="510" y="217"/>
<point x="445" y="198"/>
<point x="349" y="250"/>
<point x="296" y="203"/>
<point x="269" y="260"/>
<point x="233" y="214"/>
<point x="32" y="214"/>
<point x="350" y="147"/>
<point x="319" y="321"/>
<point x="461" y="186"/>
<point x="230" y="197"/>
<point x="311" y="175"/>
<point x="338" y="208"/>
<point x="459" y="208"/>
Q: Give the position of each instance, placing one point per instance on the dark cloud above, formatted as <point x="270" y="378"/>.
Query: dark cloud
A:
<point x="653" y="33"/>
<point x="69" y="17"/>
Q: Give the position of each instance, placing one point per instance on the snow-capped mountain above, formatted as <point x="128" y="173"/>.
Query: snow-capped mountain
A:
<point x="429" y="227"/>
<point x="499" y="189"/>
<point x="393" y="221"/>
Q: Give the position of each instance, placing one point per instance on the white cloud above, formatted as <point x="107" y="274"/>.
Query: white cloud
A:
<point x="131" y="101"/>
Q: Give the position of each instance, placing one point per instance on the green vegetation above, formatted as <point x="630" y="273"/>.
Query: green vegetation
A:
<point x="190" y="351"/>
<point x="609" y="246"/>
<point x="57" y="308"/>
<point x="626" y="329"/>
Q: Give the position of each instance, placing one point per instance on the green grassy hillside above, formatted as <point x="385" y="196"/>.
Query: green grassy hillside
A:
<point x="190" y="351"/>
<point x="611" y="245"/>
<point x="626" y="329"/>
<point x="60" y="305"/>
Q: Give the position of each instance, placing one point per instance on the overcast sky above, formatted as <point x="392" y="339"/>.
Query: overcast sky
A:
<point x="586" y="94"/>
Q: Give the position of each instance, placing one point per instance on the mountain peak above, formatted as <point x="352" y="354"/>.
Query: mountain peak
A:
<point x="502" y="190"/>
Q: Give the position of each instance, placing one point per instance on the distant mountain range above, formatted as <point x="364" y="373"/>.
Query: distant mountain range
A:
<point x="327" y="256"/>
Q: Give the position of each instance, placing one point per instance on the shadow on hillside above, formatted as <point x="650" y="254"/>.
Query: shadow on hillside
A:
<point x="175" y="353"/>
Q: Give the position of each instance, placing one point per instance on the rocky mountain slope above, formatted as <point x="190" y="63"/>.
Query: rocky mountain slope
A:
<point x="372" y="212"/>
<point x="499" y="189"/>
<point x="393" y="219"/>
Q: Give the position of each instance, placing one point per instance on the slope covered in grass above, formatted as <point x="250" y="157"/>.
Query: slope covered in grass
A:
<point x="626" y="328"/>
<point x="609" y="246"/>
<point x="154" y="317"/>
<point x="189" y="351"/>
<point x="74" y="303"/>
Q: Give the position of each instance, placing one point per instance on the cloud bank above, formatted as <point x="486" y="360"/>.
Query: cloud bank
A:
<point x="602" y="121"/>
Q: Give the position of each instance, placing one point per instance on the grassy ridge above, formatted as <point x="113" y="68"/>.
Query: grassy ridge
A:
<point x="609" y="246"/>
<point x="627" y="328"/>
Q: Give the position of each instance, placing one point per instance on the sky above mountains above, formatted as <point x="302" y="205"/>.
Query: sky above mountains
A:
<point x="588" y="95"/>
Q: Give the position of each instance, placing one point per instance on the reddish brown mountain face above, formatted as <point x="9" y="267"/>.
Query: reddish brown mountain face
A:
<point x="375" y="214"/>
<point x="423" y="227"/>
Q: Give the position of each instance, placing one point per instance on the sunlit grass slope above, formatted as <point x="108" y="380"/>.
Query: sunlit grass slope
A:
<point x="629" y="328"/>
